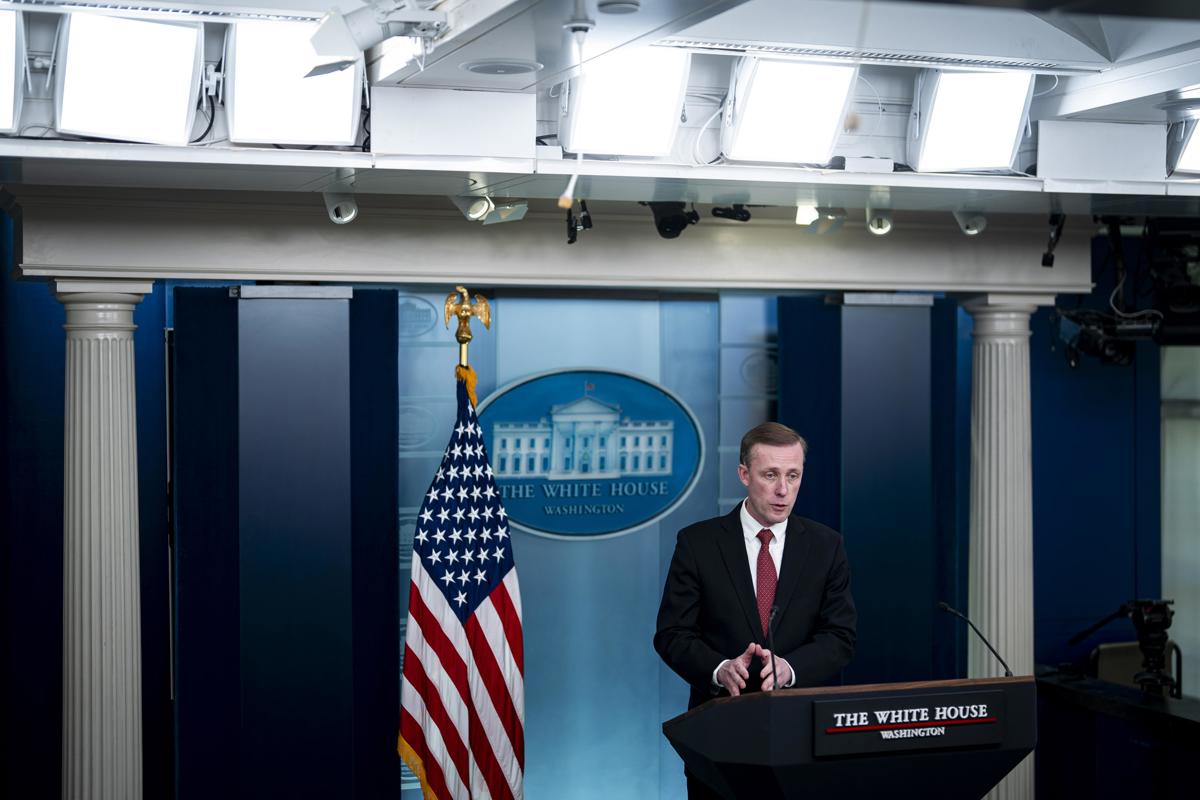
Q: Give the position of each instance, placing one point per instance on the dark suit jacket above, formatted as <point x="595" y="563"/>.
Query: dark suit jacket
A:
<point x="709" y="613"/>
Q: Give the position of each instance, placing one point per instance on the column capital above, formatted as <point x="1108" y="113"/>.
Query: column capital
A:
<point x="100" y="307"/>
<point x="1004" y="316"/>
<point x="77" y="290"/>
<point x="1005" y="301"/>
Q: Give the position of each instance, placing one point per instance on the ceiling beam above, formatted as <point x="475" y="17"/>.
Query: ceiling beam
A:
<point x="1154" y="76"/>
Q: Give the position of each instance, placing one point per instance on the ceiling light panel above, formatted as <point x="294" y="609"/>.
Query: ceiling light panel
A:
<point x="12" y="69"/>
<point x="969" y="121"/>
<point x="269" y="99"/>
<point x="786" y="111"/>
<point x="128" y="79"/>
<point x="627" y="103"/>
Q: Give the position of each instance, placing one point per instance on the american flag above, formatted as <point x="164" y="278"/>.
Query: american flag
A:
<point x="462" y="698"/>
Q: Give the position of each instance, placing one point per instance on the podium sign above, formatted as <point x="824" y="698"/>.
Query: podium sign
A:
<point x="907" y="722"/>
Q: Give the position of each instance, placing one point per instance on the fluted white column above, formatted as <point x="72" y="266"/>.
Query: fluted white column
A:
<point x="1001" y="546"/>
<point x="102" y="663"/>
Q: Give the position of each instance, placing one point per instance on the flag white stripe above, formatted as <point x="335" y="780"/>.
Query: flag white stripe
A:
<point x="514" y="590"/>
<point x="415" y="706"/>
<point x="493" y="728"/>
<point x="452" y="700"/>
<point x="493" y="631"/>
<point x="479" y="789"/>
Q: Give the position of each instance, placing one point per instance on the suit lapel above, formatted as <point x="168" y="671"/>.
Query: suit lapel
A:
<point x="795" y="552"/>
<point x="733" y="550"/>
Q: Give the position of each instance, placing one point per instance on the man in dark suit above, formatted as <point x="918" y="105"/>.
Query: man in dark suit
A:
<point x="731" y="576"/>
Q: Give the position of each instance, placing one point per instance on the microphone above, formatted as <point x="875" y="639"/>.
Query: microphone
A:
<point x="946" y="607"/>
<point x="771" y="642"/>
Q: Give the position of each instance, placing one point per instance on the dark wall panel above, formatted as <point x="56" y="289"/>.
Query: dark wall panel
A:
<point x="206" y="542"/>
<point x="154" y="554"/>
<point x="951" y="421"/>
<point x="1096" y="484"/>
<point x="286" y="441"/>
<point x="887" y="490"/>
<point x="31" y="534"/>
<point x="810" y="399"/>
<point x="857" y="382"/>
<point x="374" y="440"/>
<point x="295" y="547"/>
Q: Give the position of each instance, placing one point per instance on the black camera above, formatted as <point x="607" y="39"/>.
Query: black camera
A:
<point x="737" y="212"/>
<point x="670" y="218"/>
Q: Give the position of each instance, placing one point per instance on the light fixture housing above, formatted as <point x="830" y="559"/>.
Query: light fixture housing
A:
<point x="807" y="215"/>
<point x="879" y="221"/>
<point x="474" y="207"/>
<point x="626" y="103"/>
<point x="485" y="210"/>
<point x="341" y="207"/>
<point x="787" y="112"/>
<point x="268" y="99"/>
<point x="971" y="223"/>
<point x="1183" y="147"/>
<point x="12" y="70"/>
<point x="129" y="79"/>
<point x="968" y="121"/>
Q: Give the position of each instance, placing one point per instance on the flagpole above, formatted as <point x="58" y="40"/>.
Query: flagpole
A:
<point x="464" y="645"/>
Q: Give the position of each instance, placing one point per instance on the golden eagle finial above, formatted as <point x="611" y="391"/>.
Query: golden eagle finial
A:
<point x="458" y="304"/>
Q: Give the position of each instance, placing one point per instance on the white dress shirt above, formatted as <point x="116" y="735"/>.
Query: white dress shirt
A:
<point x="750" y="529"/>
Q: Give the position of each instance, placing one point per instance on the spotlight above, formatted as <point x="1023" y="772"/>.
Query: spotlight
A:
<point x="341" y="207"/>
<point x="879" y="222"/>
<point x="807" y="215"/>
<point x="737" y="212"/>
<point x="348" y="36"/>
<point x="487" y="211"/>
<point x="670" y="218"/>
<point x="474" y="208"/>
<point x="971" y="223"/>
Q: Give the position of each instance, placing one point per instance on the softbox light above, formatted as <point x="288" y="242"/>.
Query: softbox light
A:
<point x="128" y="79"/>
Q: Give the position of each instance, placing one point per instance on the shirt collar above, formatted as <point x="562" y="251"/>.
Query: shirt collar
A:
<point x="750" y="527"/>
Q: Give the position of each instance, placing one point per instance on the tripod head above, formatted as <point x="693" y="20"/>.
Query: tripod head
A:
<point x="1151" y="619"/>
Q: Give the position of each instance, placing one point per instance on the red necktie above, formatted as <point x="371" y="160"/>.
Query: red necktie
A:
<point x="767" y="577"/>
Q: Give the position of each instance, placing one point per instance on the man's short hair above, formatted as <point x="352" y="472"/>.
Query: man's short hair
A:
<point x="772" y="434"/>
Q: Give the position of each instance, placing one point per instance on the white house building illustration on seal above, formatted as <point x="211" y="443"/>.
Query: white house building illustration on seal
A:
<point x="585" y="438"/>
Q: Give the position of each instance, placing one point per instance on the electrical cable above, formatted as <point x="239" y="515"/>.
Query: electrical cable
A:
<point x="212" y="115"/>
<point x="696" y="162"/>
<point x="1048" y="91"/>
<point x="878" y="105"/>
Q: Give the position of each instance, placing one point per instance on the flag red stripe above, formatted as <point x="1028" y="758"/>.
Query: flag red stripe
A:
<point x="414" y="672"/>
<point x="485" y="757"/>
<point x="415" y="737"/>
<point x="493" y="681"/>
<point x="512" y="624"/>
<point x="437" y="641"/>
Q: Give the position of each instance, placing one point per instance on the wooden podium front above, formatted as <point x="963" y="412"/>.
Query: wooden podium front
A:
<point x="933" y="739"/>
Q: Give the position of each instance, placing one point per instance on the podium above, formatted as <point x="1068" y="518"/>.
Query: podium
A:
<point x="934" y="739"/>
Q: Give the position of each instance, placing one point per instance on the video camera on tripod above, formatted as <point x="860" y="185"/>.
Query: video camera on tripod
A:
<point x="1151" y="619"/>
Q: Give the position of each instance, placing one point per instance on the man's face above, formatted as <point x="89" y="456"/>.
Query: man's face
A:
<point x="772" y="479"/>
